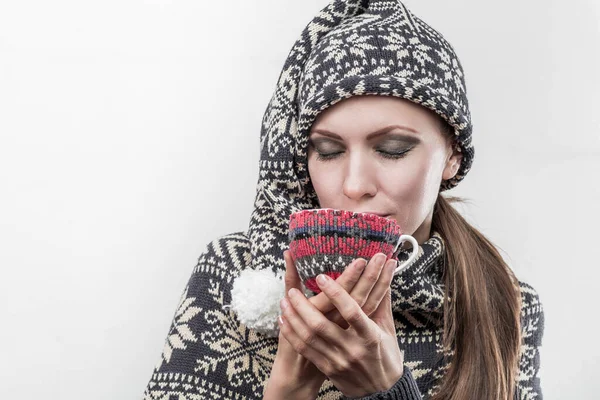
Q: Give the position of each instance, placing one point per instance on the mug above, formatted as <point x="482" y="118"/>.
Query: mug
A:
<point x="326" y="240"/>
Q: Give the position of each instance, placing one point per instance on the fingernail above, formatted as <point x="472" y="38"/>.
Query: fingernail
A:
<point x="292" y="292"/>
<point x="360" y="265"/>
<point x="284" y="304"/>
<point x="381" y="259"/>
<point x="322" y="279"/>
<point x="280" y="320"/>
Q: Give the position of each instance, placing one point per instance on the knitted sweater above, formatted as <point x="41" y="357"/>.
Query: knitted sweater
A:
<point x="209" y="354"/>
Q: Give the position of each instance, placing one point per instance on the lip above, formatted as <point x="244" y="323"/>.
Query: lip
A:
<point x="376" y="213"/>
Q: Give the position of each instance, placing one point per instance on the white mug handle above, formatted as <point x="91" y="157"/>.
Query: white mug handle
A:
<point x="415" y="252"/>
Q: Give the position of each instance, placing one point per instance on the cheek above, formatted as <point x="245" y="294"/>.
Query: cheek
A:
<point x="324" y="180"/>
<point x="413" y="186"/>
<point x="408" y="178"/>
<point x="404" y="185"/>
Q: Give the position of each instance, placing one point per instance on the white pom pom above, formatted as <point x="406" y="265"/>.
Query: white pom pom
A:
<point x="255" y="297"/>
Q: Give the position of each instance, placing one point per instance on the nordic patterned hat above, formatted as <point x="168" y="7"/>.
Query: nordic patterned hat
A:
<point x="350" y="48"/>
<point x="386" y="50"/>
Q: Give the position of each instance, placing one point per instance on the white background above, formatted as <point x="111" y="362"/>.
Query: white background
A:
<point x="130" y="138"/>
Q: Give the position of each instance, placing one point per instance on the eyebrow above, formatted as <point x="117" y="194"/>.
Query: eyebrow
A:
<point x="378" y="132"/>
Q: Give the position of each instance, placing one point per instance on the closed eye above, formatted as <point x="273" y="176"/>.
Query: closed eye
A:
<point x="328" y="156"/>
<point x="384" y="154"/>
<point x="394" y="155"/>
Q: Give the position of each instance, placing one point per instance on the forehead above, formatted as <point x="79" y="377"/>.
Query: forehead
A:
<point x="360" y="116"/>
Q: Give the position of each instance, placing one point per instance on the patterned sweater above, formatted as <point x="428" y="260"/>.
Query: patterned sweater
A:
<point x="208" y="354"/>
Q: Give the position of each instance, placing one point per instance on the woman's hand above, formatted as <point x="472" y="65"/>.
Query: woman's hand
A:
<point x="367" y="292"/>
<point x="360" y="360"/>
<point x="292" y="373"/>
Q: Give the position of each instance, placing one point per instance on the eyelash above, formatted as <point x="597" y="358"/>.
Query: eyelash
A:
<point x="391" y="156"/>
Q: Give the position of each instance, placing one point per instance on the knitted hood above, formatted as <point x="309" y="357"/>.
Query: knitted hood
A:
<point x="352" y="47"/>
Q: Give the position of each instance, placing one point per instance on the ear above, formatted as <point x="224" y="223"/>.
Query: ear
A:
<point x="452" y="164"/>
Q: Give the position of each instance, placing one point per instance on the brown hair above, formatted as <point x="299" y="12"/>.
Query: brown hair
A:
<point x="482" y="303"/>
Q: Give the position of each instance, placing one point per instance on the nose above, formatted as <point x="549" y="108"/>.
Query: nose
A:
<point x="359" y="179"/>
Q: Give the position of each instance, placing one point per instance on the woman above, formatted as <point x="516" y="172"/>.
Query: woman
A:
<point x="369" y="114"/>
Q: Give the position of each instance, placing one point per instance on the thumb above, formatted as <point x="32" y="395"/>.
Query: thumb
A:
<point x="292" y="279"/>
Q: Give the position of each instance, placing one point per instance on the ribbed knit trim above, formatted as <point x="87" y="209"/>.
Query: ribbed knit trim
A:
<point x="404" y="389"/>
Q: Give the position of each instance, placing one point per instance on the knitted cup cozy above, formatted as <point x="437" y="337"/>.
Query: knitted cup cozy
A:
<point x="326" y="241"/>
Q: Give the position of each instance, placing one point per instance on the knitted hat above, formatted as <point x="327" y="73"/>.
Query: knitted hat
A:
<point x="350" y="48"/>
<point x="388" y="51"/>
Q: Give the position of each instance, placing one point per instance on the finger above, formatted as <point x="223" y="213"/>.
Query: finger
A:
<point x="383" y="315"/>
<point x="292" y="279"/>
<point x="347" y="280"/>
<point x="379" y="290"/>
<point x="314" y="323"/>
<point x="369" y="301"/>
<point x="335" y="317"/>
<point x="308" y="352"/>
<point x="369" y="279"/>
<point x="347" y="306"/>
<point x="362" y="292"/>
<point x="310" y="325"/>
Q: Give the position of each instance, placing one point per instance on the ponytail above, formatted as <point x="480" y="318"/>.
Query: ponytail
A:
<point x="482" y="305"/>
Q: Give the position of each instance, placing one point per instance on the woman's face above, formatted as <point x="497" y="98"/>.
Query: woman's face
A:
<point x="384" y="155"/>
